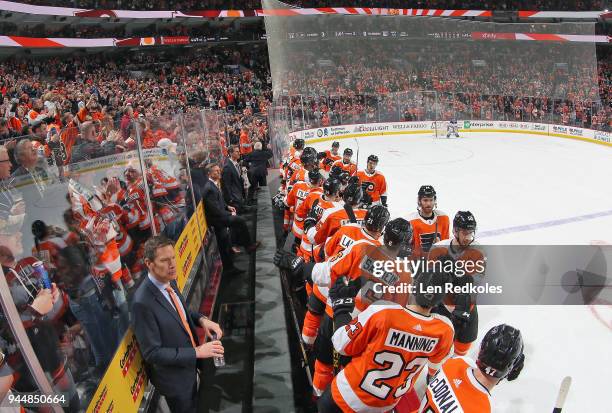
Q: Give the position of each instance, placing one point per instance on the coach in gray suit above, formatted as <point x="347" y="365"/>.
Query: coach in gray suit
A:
<point x="166" y="330"/>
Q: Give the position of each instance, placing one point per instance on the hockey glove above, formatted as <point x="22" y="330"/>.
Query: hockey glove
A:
<point x="279" y="201"/>
<point x="461" y="313"/>
<point x="321" y="156"/>
<point x="288" y="261"/>
<point x="309" y="223"/>
<point x="517" y="368"/>
<point x="342" y="297"/>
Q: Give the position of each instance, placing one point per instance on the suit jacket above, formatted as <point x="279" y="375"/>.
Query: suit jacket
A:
<point x="258" y="161"/>
<point x="169" y="357"/>
<point x="215" y="207"/>
<point x="232" y="184"/>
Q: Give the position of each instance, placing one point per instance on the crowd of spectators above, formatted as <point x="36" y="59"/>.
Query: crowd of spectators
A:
<point x="226" y="32"/>
<point x="512" y="84"/>
<point x="74" y="195"/>
<point x="255" y="4"/>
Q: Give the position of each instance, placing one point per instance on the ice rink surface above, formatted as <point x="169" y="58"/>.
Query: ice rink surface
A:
<point x="523" y="190"/>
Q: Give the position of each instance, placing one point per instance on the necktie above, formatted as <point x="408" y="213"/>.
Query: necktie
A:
<point x="177" y="306"/>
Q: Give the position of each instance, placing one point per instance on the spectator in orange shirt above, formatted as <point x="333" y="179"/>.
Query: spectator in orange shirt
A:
<point x="246" y="147"/>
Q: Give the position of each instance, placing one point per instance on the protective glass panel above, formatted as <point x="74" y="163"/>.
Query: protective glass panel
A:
<point x="470" y="69"/>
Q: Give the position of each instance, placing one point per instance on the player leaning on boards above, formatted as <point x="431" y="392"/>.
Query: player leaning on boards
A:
<point x="348" y="264"/>
<point x="389" y="344"/>
<point x="464" y="385"/>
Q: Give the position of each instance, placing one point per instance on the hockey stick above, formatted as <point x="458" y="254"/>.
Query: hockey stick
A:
<point x="335" y="354"/>
<point x="562" y="395"/>
<point x="357" y="163"/>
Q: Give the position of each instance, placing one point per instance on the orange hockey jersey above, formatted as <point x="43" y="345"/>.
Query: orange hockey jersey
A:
<point x="317" y="202"/>
<point x="295" y="198"/>
<point x="389" y="345"/>
<point x="344" y="238"/>
<point x="374" y="185"/>
<point x="352" y="263"/>
<point x="350" y="167"/>
<point x="327" y="162"/>
<point x="455" y="388"/>
<point x="331" y="221"/>
<point x="424" y="231"/>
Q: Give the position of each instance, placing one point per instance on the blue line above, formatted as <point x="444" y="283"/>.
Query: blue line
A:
<point x="545" y="224"/>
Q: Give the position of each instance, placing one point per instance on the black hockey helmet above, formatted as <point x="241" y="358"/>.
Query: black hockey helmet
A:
<point x="464" y="220"/>
<point x="426" y="279"/>
<point x="373" y="158"/>
<point x="331" y="186"/>
<point x="427" y="191"/>
<point x="353" y="180"/>
<point x="500" y="350"/>
<point x="315" y="176"/>
<point x="309" y="156"/>
<point x="39" y="229"/>
<point x="348" y="151"/>
<point x="335" y="144"/>
<point x="352" y="194"/>
<point x="299" y="143"/>
<point x="376" y="218"/>
<point x="397" y="231"/>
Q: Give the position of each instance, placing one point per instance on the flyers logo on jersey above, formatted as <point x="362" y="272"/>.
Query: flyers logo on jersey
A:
<point x="367" y="186"/>
<point x="427" y="240"/>
<point x="410" y="342"/>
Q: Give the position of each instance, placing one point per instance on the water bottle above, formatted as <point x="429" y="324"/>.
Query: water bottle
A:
<point x="39" y="268"/>
<point x="219" y="361"/>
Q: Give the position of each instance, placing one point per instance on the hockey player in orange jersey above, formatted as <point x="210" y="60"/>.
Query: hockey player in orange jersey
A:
<point x="345" y="163"/>
<point x="330" y="156"/>
<point x="315" y="204"/>
<point x="308" y="163"/>
<point x="347" y="263"/>
<point x="461" y="308"/>
<point x="462" y="385"/>
<point x="288" y="165"/>
<point x="389" y="346"/>
<point x="373" y="183"/>
<point x="338" y="216"/>
<point x="318" y="199"/>
<point x="297" y="196"/>
<point x="429" y="224"/>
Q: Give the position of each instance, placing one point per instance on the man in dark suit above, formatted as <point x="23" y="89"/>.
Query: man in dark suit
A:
<point x="258" y="168"/>
<point x="166" y="330"/>
<point x="232" y="183"/>
<point x="220" y="216"/>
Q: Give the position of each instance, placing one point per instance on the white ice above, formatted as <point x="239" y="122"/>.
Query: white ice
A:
<point x="508" y="181"/>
